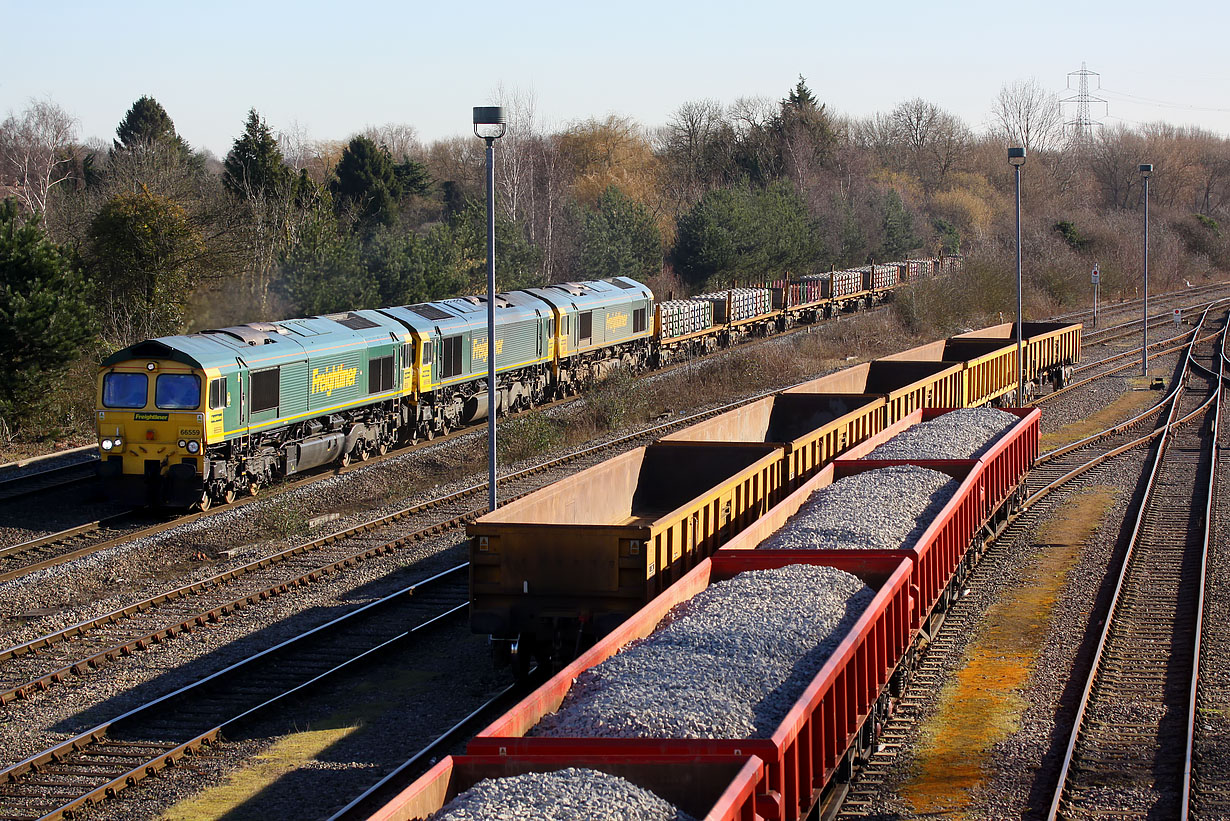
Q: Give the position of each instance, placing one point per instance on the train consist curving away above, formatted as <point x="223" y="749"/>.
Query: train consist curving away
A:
<point x="750" y="594"/>
<point x="199" y="418"/>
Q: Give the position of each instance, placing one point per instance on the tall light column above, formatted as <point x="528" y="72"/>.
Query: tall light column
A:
<point x="490" y="125"/>
<point x="1016" y="158"/>
<point x="1146" y="171"/>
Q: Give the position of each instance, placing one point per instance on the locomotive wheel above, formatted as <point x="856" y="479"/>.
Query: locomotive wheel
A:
<point x="365" y="452"/>
<point x="431" y="434"/>
<point x="345" y="460"/>
<point x="229" y="495"/>
<point x="382" y="448"/>
<point x="206" y="502"/>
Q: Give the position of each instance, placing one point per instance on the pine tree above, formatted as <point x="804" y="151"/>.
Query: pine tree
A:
<point x="255" y="168"/>
<point x="800" y="97"/>
<point x="366" y="184"/>
<point x="145" y="125"/>
<point x="46" y="313"/>
<point x="620" y="238"/>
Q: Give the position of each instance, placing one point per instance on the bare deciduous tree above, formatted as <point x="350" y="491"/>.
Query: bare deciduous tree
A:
<point x="401" y="140"/>
<point x="1029" y="116"/>
<point x="37" y="152"/>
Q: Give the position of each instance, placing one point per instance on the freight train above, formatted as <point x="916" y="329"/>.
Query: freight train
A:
<point x="197" y="419"/>
<point x="557" y="569"/>
<point x="698" y="734"/>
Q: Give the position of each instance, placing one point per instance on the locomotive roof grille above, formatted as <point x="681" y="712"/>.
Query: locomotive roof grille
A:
<point x="429" y="312"/>
<point x="353" y="321"/>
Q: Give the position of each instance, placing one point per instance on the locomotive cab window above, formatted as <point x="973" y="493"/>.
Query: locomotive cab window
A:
<point x="124" y="390"/>
<point x="266" y="390"/>
<point x="585" y="327"/>
<point x="638" y="320"/>
<point x="380" y="374"/>
<point x="217" y="394"/>
<point x="177" y="391"/>
<point x="426" y="352"/>
<point x="451" y="358"/>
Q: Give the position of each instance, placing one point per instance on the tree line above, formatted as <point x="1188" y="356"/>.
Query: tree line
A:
<point x="103" y="243"/>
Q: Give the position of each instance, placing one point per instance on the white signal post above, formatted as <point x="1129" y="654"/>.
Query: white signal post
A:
<point x="1096" y="280"/>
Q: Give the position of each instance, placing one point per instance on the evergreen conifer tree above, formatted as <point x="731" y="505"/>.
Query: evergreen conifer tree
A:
<point x="255" y="166"/>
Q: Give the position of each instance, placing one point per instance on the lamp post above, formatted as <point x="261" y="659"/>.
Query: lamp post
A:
<point x="490" y="125"/>
<point x="1016" y="158"/>
<point x="1146" y="171"/>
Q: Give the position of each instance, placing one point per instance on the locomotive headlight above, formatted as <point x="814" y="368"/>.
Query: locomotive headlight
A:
<point x="193" y="447"/>
<point x="107" y="444"/>
<point x="118" y="442"/>
<point x="182" y="444"/>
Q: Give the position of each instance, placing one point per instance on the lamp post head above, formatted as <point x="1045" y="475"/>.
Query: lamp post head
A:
<point x="489" y="122"/>
<point x="1016" y="156"/>
<point x="1146" y="170"/>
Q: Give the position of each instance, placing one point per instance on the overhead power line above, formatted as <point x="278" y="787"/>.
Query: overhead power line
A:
<point x="1082" y="126"/>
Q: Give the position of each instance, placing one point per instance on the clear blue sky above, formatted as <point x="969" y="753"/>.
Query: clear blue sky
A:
<point x="336" y="68"/>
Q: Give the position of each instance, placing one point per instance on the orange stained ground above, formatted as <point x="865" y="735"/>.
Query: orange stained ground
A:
<point x="1123" y="407"/>
<point x="982" y="704"/>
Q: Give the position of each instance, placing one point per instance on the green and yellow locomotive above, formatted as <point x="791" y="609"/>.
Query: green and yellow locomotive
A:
<point x="199" y="418"/>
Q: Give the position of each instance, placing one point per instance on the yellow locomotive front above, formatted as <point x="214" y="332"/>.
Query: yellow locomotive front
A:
<point x="151" y="432"/>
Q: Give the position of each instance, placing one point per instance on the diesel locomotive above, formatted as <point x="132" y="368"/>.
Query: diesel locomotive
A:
<point x="196" y="419"/>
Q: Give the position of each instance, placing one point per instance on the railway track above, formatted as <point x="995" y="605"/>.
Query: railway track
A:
<point x="123" y="751"/>
<point x="1210" y="781"/>
<point x="1068" y="468"/>
<point x="1129" y="752"/>
<point x="16" y="488"/>
<point x="39" y="664"/>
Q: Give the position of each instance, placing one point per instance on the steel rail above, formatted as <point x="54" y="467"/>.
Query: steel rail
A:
<point x="1109" y="620"/>
<point x="61" y="753"/>
<point x="184" y="624"/>
<point x="1193" y="695"/>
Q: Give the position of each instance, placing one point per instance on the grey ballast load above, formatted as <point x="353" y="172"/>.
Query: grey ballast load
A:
<point x="564" y="795"/>
<point x="728" y="663"/>
<point x="966" y="433"/>
<point x="885" y="509"/>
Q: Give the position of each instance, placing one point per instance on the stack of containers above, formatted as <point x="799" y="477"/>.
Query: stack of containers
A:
<point x="809" y="291"/>
<point x="877" y="277"/>
<point x="746" y="303"/>
<point x="718" y="304"/>
<point x="846" y="283"/>
<point x="681" y="317"/>
<point x="825" y="282"/>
